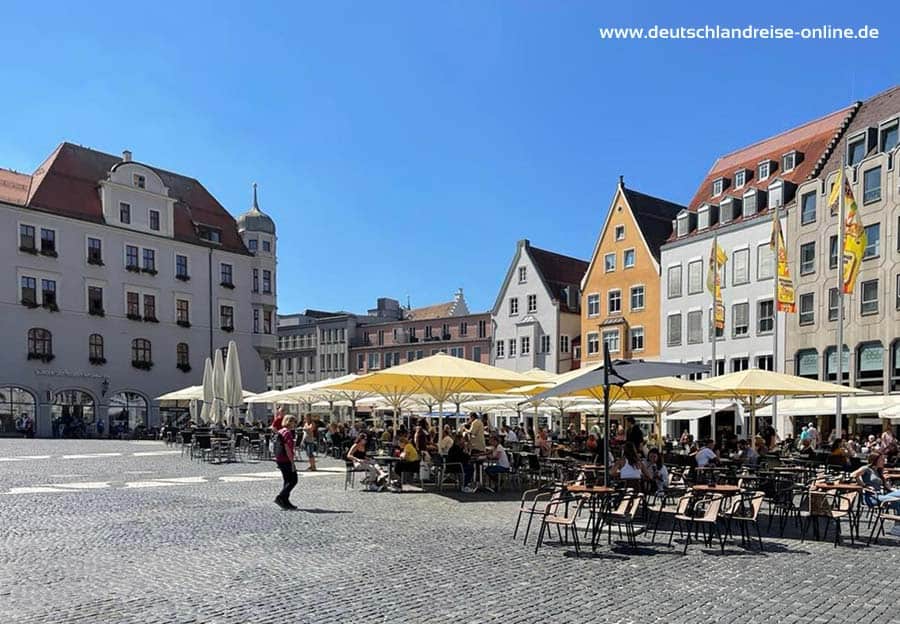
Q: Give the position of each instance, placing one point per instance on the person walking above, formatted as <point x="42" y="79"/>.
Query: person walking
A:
<point x="284" y="458"/>
<point x="310" y="441"/>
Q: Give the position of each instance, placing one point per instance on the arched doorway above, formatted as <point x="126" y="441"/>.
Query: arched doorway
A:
<point x="16" y="406"/>
<point x="73" y="414"/>
<point x="127" y="412"/>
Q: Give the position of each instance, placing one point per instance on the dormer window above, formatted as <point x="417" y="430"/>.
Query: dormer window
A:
<point x="211" y="234"/>
<point x="740" y="178"/>
<point x="888" y="135"/>
<point x="703" y="218"/>
<point x="718" y="186"/>
<point x="754" y="201"/>
<point x="124" y="212"/>
<point x="140" y="181"/>
<point x="776" y="193"/>
<point x="789" y="161"/>
<point x="682" y="225"/>
<point x="764" y="170"/>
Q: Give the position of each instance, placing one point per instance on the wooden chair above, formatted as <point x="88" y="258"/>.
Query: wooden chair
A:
<point x="532" y="504"/>
<point x="623" y="514"/>
<point x="703" y="512"/>
<point x="884" y="512"/>
<point x="562" y="512"/>
<point x="745" y="511"/>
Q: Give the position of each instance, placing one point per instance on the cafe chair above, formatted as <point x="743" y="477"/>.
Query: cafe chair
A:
<point x="623" y="515"/>
<point x="745" y="512"/>
<point x="703" y="513"/>
<point x="884" y="511"/>
<point x="532" y="504"/>
<point x="350" y="476"/>
<point x="562" y="512"/>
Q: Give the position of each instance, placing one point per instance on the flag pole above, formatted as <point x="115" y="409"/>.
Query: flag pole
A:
<point x="839" y="348"/>
<point x="713" y="367"/>
<point x="775" y="315"/>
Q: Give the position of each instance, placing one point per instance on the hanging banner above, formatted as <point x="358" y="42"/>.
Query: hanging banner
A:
<point x="784" y="300"/>
<point x="717" y="259"/>
<point x="855" y="239"/>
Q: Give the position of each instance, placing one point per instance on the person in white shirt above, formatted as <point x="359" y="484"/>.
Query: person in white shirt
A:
<point x="707" y="454"/>
<point x="511" y="436"/>
<point x="500" y="459"/>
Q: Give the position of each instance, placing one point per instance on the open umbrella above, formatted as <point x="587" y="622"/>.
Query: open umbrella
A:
<point x="233" y="395"/>
<point x="218" y="384"/>
<point x="439" y="376"/>
<point x="208" y="392"/>
<point x="755" y="388"/>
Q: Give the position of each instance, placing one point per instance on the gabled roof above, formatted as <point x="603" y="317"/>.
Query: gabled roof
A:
<point x="14" y="187"/>
<point x="556" y="272"/>
<point x="654" y="217"/>
<point x="67" y="184"/>
<point x="436" y="311"/>
<point x="872" y="112"/>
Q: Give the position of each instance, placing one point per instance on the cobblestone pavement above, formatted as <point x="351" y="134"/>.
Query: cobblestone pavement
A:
<point x="104" y="531"/>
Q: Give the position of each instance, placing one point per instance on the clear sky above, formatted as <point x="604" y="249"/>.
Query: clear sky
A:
<point x="404" y="147"/>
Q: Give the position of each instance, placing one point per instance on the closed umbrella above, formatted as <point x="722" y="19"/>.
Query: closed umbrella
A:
<point x="208" y="392"/>
<point x="233" y="391"/>
<point x="218" y="380"/>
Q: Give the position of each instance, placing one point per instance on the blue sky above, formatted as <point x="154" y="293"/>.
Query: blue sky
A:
<point x="404" y="147"/>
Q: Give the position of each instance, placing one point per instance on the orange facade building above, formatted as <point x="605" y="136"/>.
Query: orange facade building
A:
<point x="621" y="288"/>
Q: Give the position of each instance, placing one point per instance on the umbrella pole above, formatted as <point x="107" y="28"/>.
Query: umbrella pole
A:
<point x="606" y="414"/>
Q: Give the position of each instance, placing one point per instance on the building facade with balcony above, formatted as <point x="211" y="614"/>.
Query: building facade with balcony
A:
<point x="121" y="279"/>
<point x="734" y="204"/>
<point x="537" y="313"/>
<point x="871" y="348"/>
<point x="392" y="335"/>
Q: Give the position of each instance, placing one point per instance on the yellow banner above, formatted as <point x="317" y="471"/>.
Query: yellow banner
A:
<point x="855" y="239"/>
<point x="784" y="299"/>
<point x="717" y="259"/>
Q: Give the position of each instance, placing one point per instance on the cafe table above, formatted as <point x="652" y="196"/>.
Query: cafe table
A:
<point x="390" y="461"/>
<point x="598" y="503"/>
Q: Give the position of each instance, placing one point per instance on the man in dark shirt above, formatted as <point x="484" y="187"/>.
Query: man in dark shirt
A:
<point x="634" y="435"/>
<point x="457" y="455"/>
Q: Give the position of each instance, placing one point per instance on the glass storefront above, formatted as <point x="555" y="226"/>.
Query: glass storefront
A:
<point x="127" y="412"/>
<point x="17" y="406"/>
<point x="72" y="414"/>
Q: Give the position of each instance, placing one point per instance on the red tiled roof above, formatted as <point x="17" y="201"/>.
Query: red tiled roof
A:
<point x="14" y="186"/>
<point x="439" y="310"/>
<point x="814" y="140"/>
<point x="873" y="111"/>
<point x="67" y="184"/>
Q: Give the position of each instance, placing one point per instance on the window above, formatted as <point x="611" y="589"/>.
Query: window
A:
<point x="868" y="303"/>
<point x="267" y="282"/>
<point x="139" y="181"/>
<point x="726" y="210"/>
<point x="183" y="312"/>
<point x="740" y="178"/>
<point x="739" y="364"/>
<point x="181" y="267"/>
<point x="763" y="171"/>
<point x="26" y="238"/>
<point x="140" y="351"/>
<point x="133" y="305"/>
<point x="831" y="364"/>
<point x="48" y="293"/>
<point x="832" y="252"/>
<point x="593" y="343"/>
<point x="95" y="300"/>
<point x="459" y="352"/>
<point x="614" y="302"/>
<point x="95" y="348"/>
<point x="48" y="242"/>
<point x="182" y="356"/>
<point x="897" y="295"/>
<point x="226" y="317"/>
<point x="808" y="208"/>
<point x="808" y="258"/>
<point x="765" y="362"/>
<point x="29" y="291"/>
<point x="380" y="337"/>
<point x="765" y="262"/>
<point x="873" y="241"/>
<point x="463" y="328"/>
<point x="674" y="281"/>
<point x="674" y="330"/>
<point x="872" y="185"/>
<point x="628" y="258"/>
<point x="526" y="345"/>
<point x="255" y="281"/>
<point x="532" y="304"/>
<point x="267" y="246"/>
<point x="681" y="223"/>
<point x="775" y="194"/>
<point x="740" y="319"/>
<point x="476" y="354"/>
<point x="695" y="327"/>
<point x="94" y="251"/>
<point x="564" y="340"/>
<point x="545" y="344"/>
<point x="765" y="316"/>
<point x="807" y="309"/>
<point x="703" y="218"/>
<point x="806" y="363"/>
<point x="637" y="298"/>
<point x="124" y="212"/>
<point x="523" y="275"/>
<point x="513" y="306"/>
<point x="40" y="344"/>
<point x="620" y="232"/>
<point x="428" y="332"/>
<point x="611" y="340"/>
<point x="267" y="324"/>
<point x="154" y="220"/>
<point x="149" y="308"/>
<point x="609" y="262"/>
<point x="718" y="186"/>
<point x="789" y="161"/>
<point x="833" y="297"/>
<point x="870" y="366"/>
<point x="500" y="348"/>
<point x="255" y="320"/>
<point x="482" y="329"/>
<point x="695" y="277"/>
<point x="512" y="347"/>
<point x="593" y="305"/>
<point x="750" y="204"/>
<point x="740" y="267"/>
<point x="227" y="277"/>
<point x="253" y="245"/>
<point x="636" y="335"/>
<point x="889" y="136"/>
<point x="149" y="261"/>
<point x="856" y="150"/>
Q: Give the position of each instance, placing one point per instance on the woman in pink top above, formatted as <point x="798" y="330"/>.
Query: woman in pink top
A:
<point x="284" y="457"/>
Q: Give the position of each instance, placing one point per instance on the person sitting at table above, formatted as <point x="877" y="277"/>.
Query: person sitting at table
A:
<point x="871" y="476"/>
<point x="409" y="456"/>
<point x="446" y="441"/>
<point x="630" y="467"/>
<point x="500" y="461"/>
<point x="747" y="455"/>
<point x="707" y="455"/>
<point x="509" y="435"/>
<point x="838" y="457"/>
<point x="376" y="476"/>
<point x="806" y="448"/>
<point x="457" y="459"/>
<point x="659" y="474"/>
<point x="542" y="445"/>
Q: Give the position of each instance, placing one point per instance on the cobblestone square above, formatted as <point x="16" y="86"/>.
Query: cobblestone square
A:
<point x="134" y="532"/>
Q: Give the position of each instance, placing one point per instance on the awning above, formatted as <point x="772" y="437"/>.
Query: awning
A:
<point x="696" y="412"/>
<point x="850" y="405"/>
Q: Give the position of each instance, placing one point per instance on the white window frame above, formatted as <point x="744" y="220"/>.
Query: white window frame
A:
<point x="513" y="306"/>
<point x="793" y="156"/>
<point x="546" y="343"/>
<point x="531" y="299"/>
<point x="693" y="313"/>
<point x="734" y="324"/>
<point x="763" y="174"/>
<point x="606" y="263"/>
<point x="500" y="349"/>
<point x="740" y="178"/>
<point x="801" y="297"/>
<point x="565" y="342"/>
<point x="680" y="292"/>
<point x="593" y="337"/>
<point x="617" y="342"/>
<point x="637" y="330"/>
<point x="609" y="295"/>
<point x="734" y="266"/>
<point x="597" y="301"/>
<point x="625" y="258"/>
<point x="620" y="232"/>
<point x="762" y="251"/>
<point x="524" y="345"/>
<point x="718" y="186"/>
<point x="695" y="262"/>
<point x="669" y="341"/>
<point x="631" y="297"/>
<point x="703" y="218"/>
<point x="512" y="347"/>
<point x="523" y="274"/>
<point x="760" y="317"/>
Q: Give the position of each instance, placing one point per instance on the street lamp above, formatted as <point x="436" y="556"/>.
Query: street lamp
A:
<point x="104" y="386"/>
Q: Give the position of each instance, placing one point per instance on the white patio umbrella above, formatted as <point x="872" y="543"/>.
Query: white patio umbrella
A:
<point x="232" y="386"/>
<point x="208" y="392"/>
<point x="218" y="379"/>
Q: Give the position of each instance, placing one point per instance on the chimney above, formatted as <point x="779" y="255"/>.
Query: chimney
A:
<point x="126" y="156"/>
<point x="622" y="181"/>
